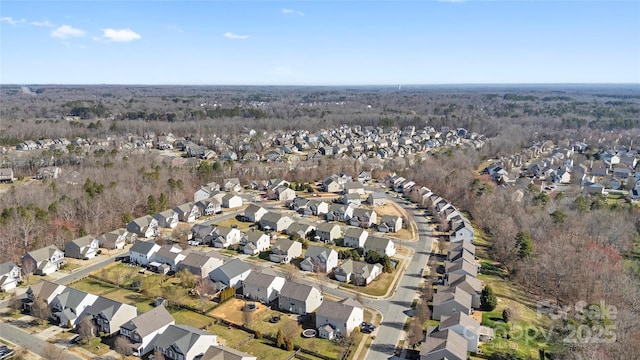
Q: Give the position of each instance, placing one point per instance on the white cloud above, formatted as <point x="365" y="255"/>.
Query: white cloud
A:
<point x="292" y="12"/>
<point x="231" y="35"/>
<point x="42" y="23"/>
<point x="120" y="35"/>
<point x="66" y="31"/>
<point x="11" y="21"/>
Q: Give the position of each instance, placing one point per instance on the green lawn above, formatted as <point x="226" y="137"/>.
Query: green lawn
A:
<point x="96" y="346"/>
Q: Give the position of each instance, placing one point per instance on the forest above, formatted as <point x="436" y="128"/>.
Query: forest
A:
<point x="583" y="247"/>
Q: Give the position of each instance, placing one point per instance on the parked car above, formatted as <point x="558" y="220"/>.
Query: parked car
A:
<point x="5" y="352"/>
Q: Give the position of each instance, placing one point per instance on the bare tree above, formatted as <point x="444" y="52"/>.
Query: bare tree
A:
<point x="123" y="346"/>
<point x="157" y="355"/>
<point x="414" y="333"/>
<point x="86" y="329"/>
<point x="40" y="310"/>
<point x="52" y="352"/>
<point x="291" y="272"/>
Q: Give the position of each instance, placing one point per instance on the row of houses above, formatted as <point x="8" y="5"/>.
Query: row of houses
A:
<point x="154" y="330"/>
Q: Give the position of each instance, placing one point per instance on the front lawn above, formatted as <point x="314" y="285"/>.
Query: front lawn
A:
<point x="377" y="287"/>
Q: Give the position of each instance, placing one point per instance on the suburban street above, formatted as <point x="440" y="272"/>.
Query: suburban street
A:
<point x="28" y="341"/>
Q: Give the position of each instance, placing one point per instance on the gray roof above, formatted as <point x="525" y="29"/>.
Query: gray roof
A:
<point x="377" y="242"/>
<point x="459" y="318"/>
<point x="71" y="298"/>
<point x="466" y="282"/>
<point x="354" y="232"/>
<point x="142" y="247"/>
<point x="150" y="321"/>
<point x="296" y="291"/>
<point x="220" y="352"/>
<point x="327" y="227"/>
<point x="444" y="340"/>
<point x="283" y="244"/>
<point x="7" y="267"/>
<point x="43" y="289"/>
<point x="453" y="294"/>
<point x="83" y="241"/>
<point x="337" y="310"/>
<point x="358" y="267"/>
<point x="105" y="306"/>
<point x="183" y="336"/>
<point x="195" y="259"/>
<point x="316" y="251"/>
<point x="232" y="269"/>
<point x="261" y="278"/>
<point x="44" y="253"/>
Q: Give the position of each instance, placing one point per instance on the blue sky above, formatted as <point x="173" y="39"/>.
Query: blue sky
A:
<point x="319" y="42"/>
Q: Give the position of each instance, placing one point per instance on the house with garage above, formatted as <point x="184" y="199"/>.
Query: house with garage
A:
<point x="10" y="276"/>
<point x="339" y="212"/>
<point x="328" y="232"/>
<point x="254" y="213"/>
<point x="390" y="224"/>
<point x="220" y="352"/>
<point x="68" y="306"/>
<point x="167" y="219"/>
<point x="281" y="193"/>
<point x="445" y="344"/>
<point x="231" y="274"/>
<point x="263" y="286"/>
<point x="44" y="290"/>
<point x="231" y="201"/>
<point x="209" y="206"/>
<point x="143" y="252"/>
<point x="225" y="236"/>
<point x="338" y="319"/>
<point x="188" y="212"/>
<point x="83" y="248"/>
<point x="461" y="230"/>
<point x="285" y="250"/>
<point x="319" y="259"/>
<point x="357" y="272"/>
<point x="355" y="237"/>
<point x="170" y="255"/>
<point x="232" y="185"/>
<point x="108" y="315"/>
<point x="43" y="261"/>
<point x="377" y="199"/>
<point x="116" y="239"/>
<point x="457" y="248"/>
<point x="275" y="221"/>
<point x="142" y="329"/>
<point x="199" y="264"/>
<point x="145" y="226"/>
<point x="183" y="342"/>
<point x="299" y="299"/>
<point x="351" y="199"/>
<point x="462" y="266"/>
<point x="353" y="187"/>
<point x="362" y="217"/>
<point x="449" y="302"/>
<point x="255" y="242"/>
<point x="382" y="245"/>
<point x="301" y="229"/>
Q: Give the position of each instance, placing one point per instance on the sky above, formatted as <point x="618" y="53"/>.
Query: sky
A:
<point x="344" y="42"/>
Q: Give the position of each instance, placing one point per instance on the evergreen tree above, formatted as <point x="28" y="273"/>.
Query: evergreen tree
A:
<point x="488" y="299"/>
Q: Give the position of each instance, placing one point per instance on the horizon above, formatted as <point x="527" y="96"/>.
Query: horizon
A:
<point x="299" y="43"/>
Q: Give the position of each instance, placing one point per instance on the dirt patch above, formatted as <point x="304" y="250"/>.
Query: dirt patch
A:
<point x="232" y="310"/>
<point x="389" y="209"/>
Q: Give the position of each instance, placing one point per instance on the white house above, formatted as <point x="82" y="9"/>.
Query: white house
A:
<point x="83" y="248"/>
<point x="43" y="261"/>
<point x="342" y="318"/>
<point x="382" y="245"/>
<point x="299" y="299"/>
<point x="285" y="250"/>
<point x="263" y="286"/>
<point x="183" y="342"/>
<point x="255" y="242"/>
<point x="231" y="201"/>
<point x="357" y="272"/>
<point x="142" y="252"/>
<point x="254" y="213"/>
<point x="319" y="259"/>
<point x="10" y="276"/>
<point x="231" y="274"/>
<point x="355" y="237"/>
<point x="143" y="329"/>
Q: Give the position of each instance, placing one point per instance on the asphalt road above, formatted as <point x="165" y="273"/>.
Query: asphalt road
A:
<point x="28" y="341"/>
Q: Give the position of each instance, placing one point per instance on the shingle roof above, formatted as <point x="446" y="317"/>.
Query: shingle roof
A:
<point x="296" y="291"/>
<point x="340" y="311"/>
<point x="150" y="321"/>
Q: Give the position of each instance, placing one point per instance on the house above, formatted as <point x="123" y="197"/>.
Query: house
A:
<point x="83" y="248"/>
<point x="462" y="230"/>
<point x="357" y="272"/>
<point x="142" y="252"/>
<point x="208" y="207"/>
<point x="445" y="344"/>
<point x="188" y="212"/>
<point x="254" y="213"/>
<point x="461" y="266"/>
<point x="364" y="176"/>
<point x="363" y="218"/>
<point x="377" y="199"/>
<point x="183" y="342"/>
<point x="167" y="219"/>
<point x="10" y="276"/>
<point x="145" y="226"/>
<point x="299" y="299"/>
<point x="219" y="352"/>
<point x="331" y="185"/>
<point x="382" y="245"/>
<point x="355" y="237"/>
<point x="68" y="306"/>
<point x="463" y="325"/>
<point x="263" y="286"/>
<point x="44" y="290"/>
<point x="318" y="207"/>
<point x="450" y="302"/>
<point x="281" y="193"/>
<point x="116" y="239"/>
<point x="225" y="236"/>
<point x="203" y="232"/>
<point x="351" y="199"/>
<point x="339" y="212"/>
<point x="390" y="223"/>
<point x="6" y="175"/>
<point x="255" y="242"/>
<point x="108" y="315"/>
<point x="301" y="229"/>
<point x="275" y="221"/>
<point x="460" y="253"/>
<point x="319" y="259"/>
<point x="341" y="317"/>
<point x="48" y="172"/>
<point x="354" y="187"/>
<point x="328" y="232"/>
<point x="232" y="184"/>
<point x="456" y="248"/>
<point x="43" y="261"/>
<point x="143" y="329"/>
<point x="231" y="274"/>
<point x="170" y="255"/>
<point x="285" y="250"/>
<point x="231" y="201"/>
<point x="199" y="264"/>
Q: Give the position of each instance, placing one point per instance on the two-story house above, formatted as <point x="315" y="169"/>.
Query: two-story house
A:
<point x="299" y="299"/>
<point x="255" y="242"/>
<point x="142" y="252"/>
<point x="355" y="237"/>
<point x="285" y="250"/>
<point x="199" y="263"/>
<point x="382" y="245"/>
<point x="319" y="259"/>
<point x="68" y="306"/>
<point x="263" y="286"/>
<point x="188" y="212"/>
<point x="231" y="274"/>
<point x="254" y="213"/>
<point x="116" y="239"/>
<point x="143" y="329"/>
<point x="43" y="261"/>
<point x="328" y="232"/>
<point x="83" y="248"/>
<point x="167" y="219"/>
<point x="10" y="276"/>
<point x="145" y="226"/>
<point x="338" y="318"/>
<point x="357" y="272"/>
<point x="183" y="342"/>
<point x="275" y="221"/>
<point x="108" y="315"/>
<point x="225" y="236"/>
